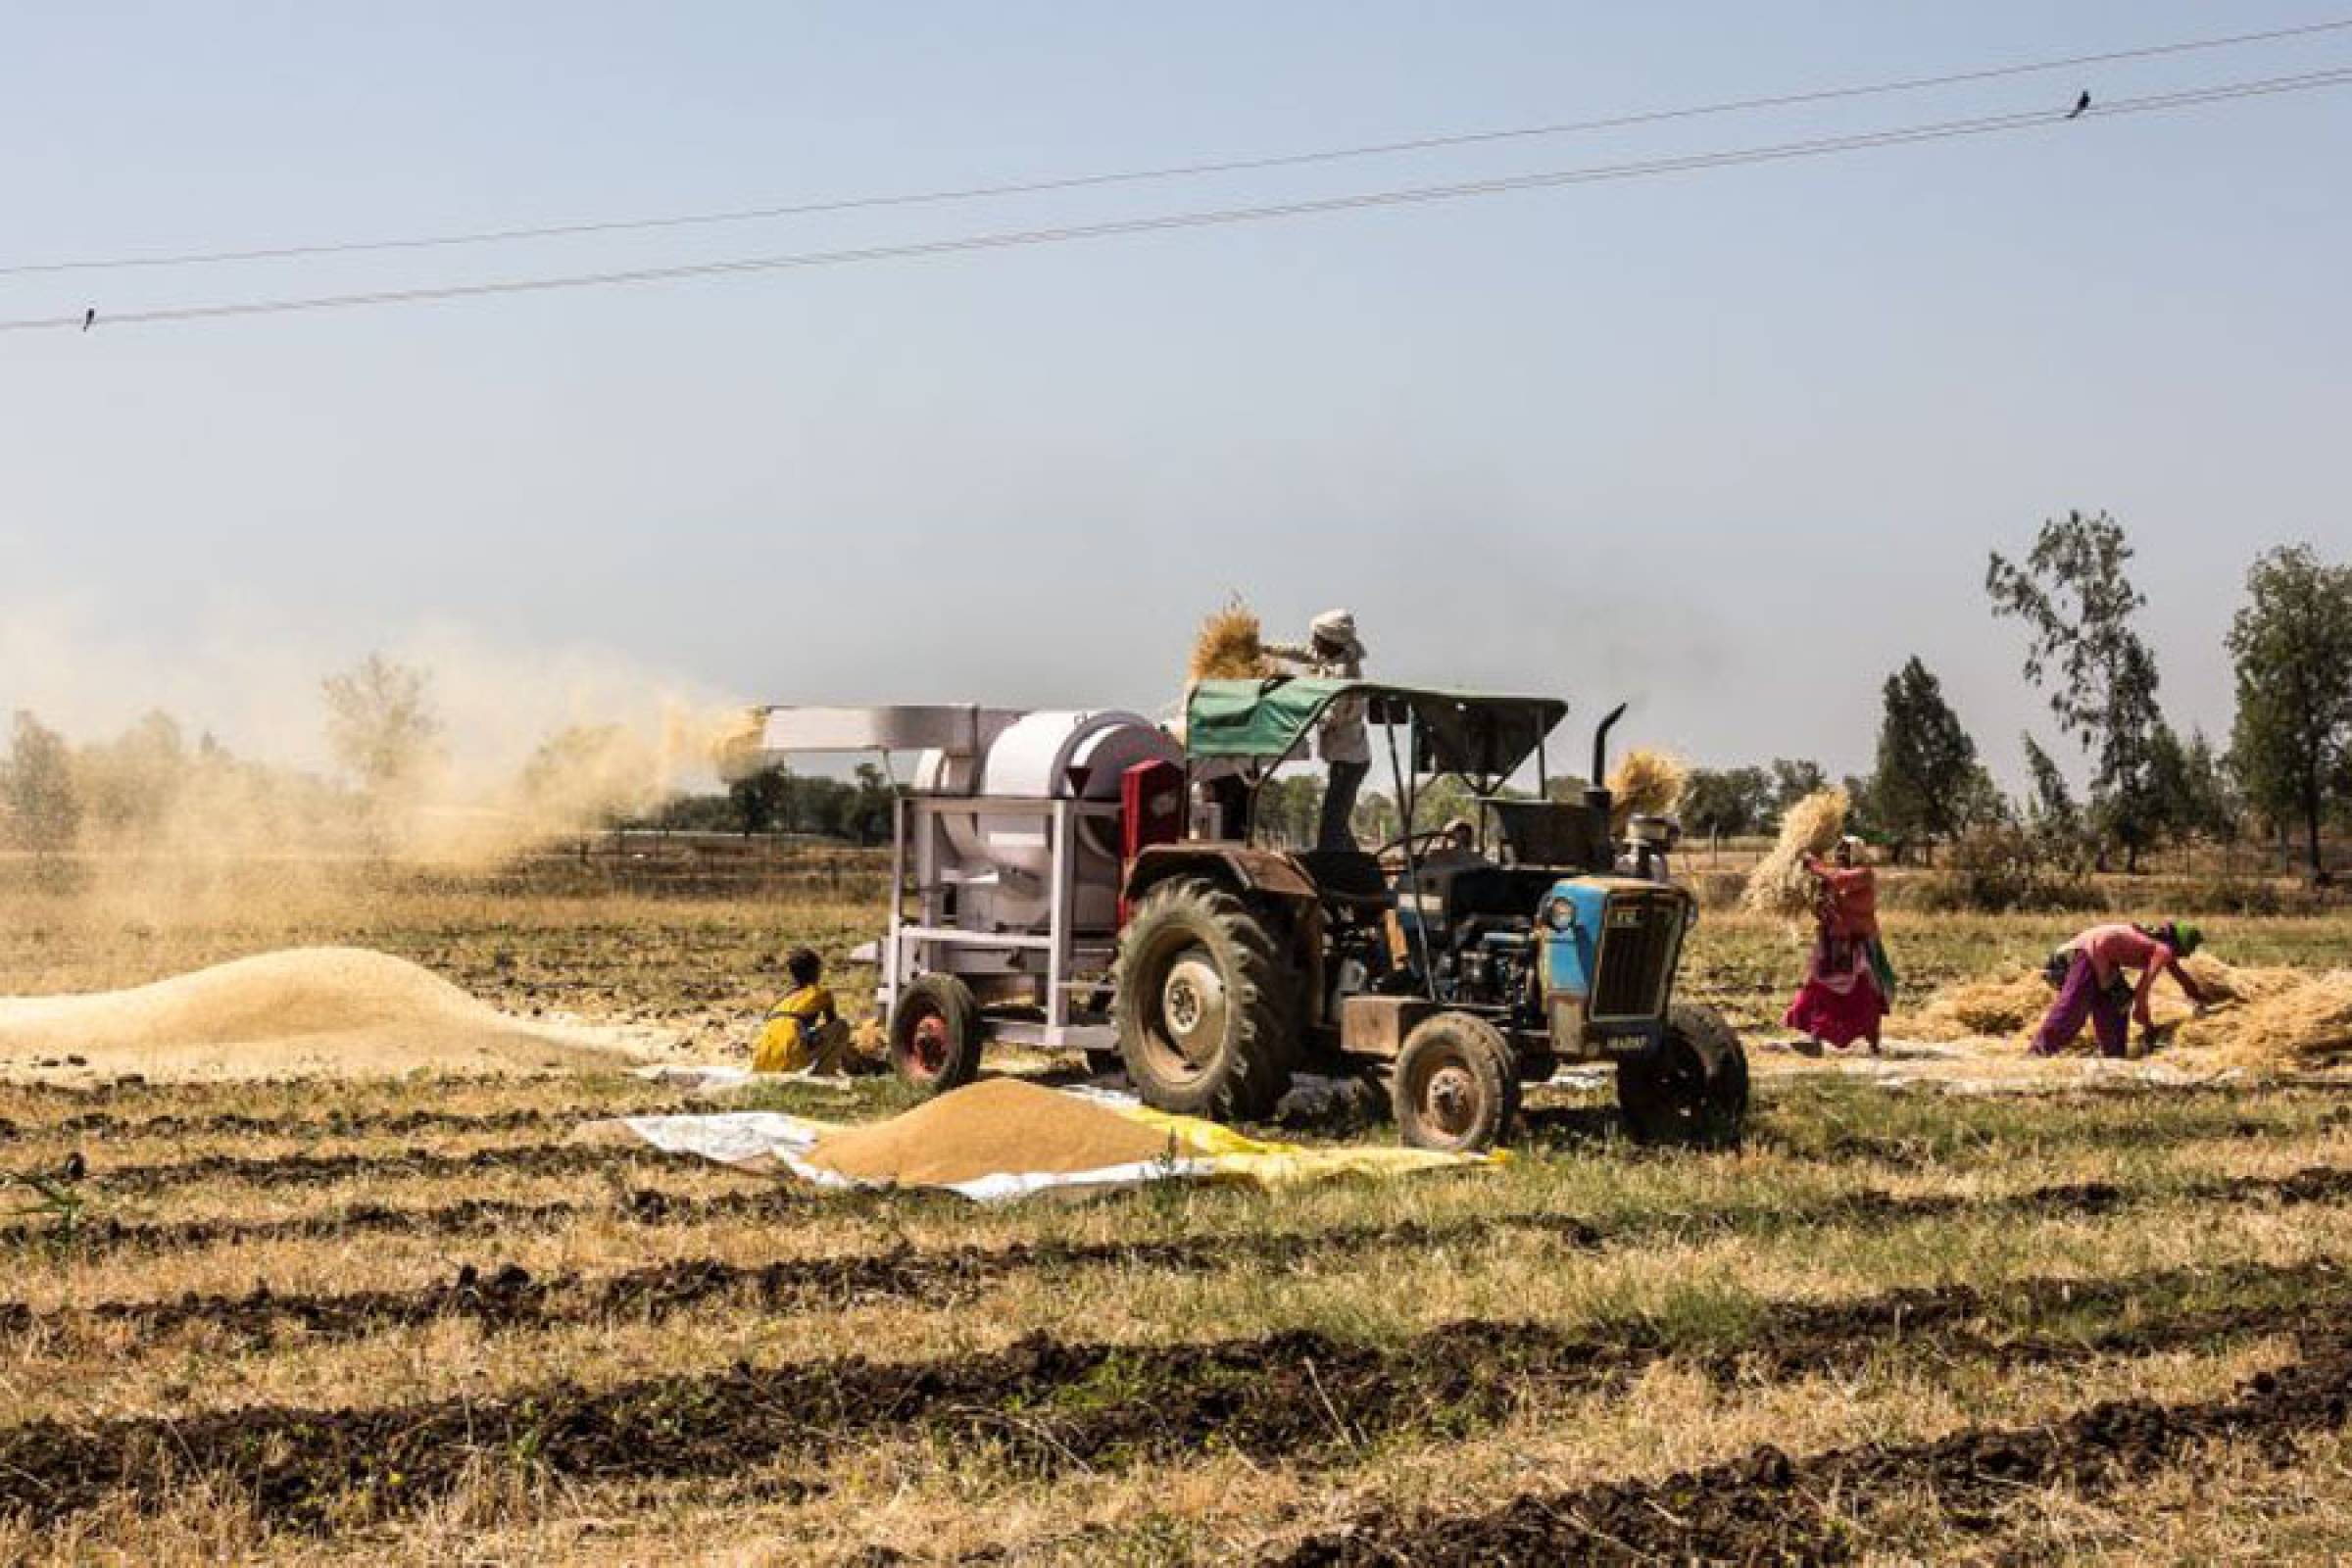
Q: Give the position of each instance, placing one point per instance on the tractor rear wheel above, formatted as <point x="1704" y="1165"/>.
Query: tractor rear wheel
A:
<point x="1456" y="1086"/>
<point x="1690" y="1087"/>
<point x="1201" y="996"/>
<point x="935" y="1034"/>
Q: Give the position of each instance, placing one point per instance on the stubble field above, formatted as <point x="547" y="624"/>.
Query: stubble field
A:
<point x="410" y="1321"/>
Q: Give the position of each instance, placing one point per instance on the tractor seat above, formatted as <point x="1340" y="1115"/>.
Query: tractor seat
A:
<point x="1346" y="876"/>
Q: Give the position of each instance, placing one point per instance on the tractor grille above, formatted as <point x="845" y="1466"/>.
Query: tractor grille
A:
<point x="1640" y="937"/>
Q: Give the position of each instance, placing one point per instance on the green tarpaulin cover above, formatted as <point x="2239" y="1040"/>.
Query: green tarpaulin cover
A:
<point x="1458" y="733"/>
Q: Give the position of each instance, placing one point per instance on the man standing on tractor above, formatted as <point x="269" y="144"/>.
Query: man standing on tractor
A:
<point x="1335" y="651"/>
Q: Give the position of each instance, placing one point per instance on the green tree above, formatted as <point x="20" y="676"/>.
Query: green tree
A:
<point x="1929" y="784"/>
<point x="2052" y="814"/>
<point x="871" y="810"/>
<point x="691" y="813"/>
<point x="2075" y="595"/>
<point x="1795" y="778"/>
<point x="2191" y="791"/>
<point x="381" y="727"/>
<point x="1728" y="801"/>
<point x="1862" y="817"/>
<point x="1440" y="801"/>
<point x="1288" y="807"/>
<point x="2292" y="643"/>
<point x="2218" y="805"/>
<point x="758" y="800"/>
<point x="37" y="785"/>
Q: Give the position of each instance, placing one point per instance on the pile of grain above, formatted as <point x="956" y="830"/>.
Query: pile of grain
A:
<point x="1646" y="783"/>
<point x="1779" y="885"/>
<point x="1000" y="1124"/>
<point x="1231" y="646"/>
<point x="304" y="1012"/>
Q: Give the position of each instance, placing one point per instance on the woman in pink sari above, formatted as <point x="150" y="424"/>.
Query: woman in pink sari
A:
<point x="1848" y="982"/>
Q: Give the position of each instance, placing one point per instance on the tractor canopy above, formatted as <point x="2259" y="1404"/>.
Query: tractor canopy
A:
<point x="1478" y="737"/>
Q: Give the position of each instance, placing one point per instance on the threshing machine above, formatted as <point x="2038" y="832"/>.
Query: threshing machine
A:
<point x="1061" y="881"/>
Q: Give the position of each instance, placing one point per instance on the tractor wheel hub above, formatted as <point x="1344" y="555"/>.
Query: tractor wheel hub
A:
<point x="1192" y="1006"/>
<point x="1451" y="1098"/>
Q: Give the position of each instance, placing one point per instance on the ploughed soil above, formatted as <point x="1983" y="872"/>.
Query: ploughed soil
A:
<point x="1048" y="1405"/>
<point x="1765" y="1506"/>
<point x="91" y="1235"/>
<point x="503" y="1297"/>
<point x="100" y="1126"/>
<point x="558" y="1158"/>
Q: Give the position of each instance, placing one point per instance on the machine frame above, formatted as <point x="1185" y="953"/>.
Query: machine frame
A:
<point x="912" y="947"/>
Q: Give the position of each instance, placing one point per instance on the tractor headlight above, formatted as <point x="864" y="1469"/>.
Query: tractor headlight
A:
<point x="1561" y="915"/>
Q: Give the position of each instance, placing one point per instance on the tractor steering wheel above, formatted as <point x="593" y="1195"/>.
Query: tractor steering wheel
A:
<point x="1397" y="845"/>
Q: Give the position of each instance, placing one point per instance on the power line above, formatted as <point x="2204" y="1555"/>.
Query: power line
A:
<point x="1172" y="171"/>
<point x="1405" y="196"/>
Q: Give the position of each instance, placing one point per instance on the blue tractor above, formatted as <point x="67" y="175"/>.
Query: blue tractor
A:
<point x="1456" y="963"/>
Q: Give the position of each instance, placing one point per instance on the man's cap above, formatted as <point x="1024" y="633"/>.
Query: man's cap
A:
<point x="1337" y="627"/>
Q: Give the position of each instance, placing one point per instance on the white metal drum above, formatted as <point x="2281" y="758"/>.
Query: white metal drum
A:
<point x="1049" y="755"/>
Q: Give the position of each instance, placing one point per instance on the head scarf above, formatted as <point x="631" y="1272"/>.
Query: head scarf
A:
<point x="1337" y="628"/>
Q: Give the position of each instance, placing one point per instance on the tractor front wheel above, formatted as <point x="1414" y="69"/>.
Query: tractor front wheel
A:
<point x="1456" y="1086"/>
<point x="935" y="1034"/>
<point x="1690" y="1087"/>
<point x="1202" y="997"/>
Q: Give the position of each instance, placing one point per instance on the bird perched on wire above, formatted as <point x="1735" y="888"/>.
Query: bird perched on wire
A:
<point x="89" y="317"/>
<point x="2082" y="106"/>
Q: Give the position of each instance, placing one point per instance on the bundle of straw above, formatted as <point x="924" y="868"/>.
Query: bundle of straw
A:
<point x="1780" y="884"/>
<point x="1230" y="645"/>
<point x="1646" y="783"/>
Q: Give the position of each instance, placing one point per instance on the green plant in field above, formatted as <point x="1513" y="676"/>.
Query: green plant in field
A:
<point x="56" y="1199"/>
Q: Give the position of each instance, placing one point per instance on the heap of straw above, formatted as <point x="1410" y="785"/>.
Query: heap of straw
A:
<point x="2226" y="982"/>
<point x="2259" y="1016"/>
<point x="1231" y="647"/>
<point x="1646" y="783"/>
<point x="2309" y="1020"/>
<point x="1779" y="885"/>
<point x="1999" y="1005"/>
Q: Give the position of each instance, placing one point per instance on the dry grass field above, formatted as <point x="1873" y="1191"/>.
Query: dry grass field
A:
<point x="409" y="1321"/>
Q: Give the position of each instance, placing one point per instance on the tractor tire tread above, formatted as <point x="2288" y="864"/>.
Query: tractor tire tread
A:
<point x="1260" y="988"/>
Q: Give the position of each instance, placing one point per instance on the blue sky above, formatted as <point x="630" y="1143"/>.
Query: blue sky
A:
<point x="1730" y="445"/>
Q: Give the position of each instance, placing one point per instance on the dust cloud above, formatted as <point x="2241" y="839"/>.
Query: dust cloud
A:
<point x="240" y="772"/>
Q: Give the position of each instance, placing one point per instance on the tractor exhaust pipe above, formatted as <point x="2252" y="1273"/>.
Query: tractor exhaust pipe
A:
<point x="1597" y="803"/>
<point x="1600" y="746"/>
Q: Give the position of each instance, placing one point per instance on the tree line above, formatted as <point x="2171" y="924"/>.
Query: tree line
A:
<point x="2285" y="772"/>
<point x="778" y="799"/>
<point x="393" y="787"/>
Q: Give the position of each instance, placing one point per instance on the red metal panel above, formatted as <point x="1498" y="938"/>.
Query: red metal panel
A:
<point x="1151" y="811"/>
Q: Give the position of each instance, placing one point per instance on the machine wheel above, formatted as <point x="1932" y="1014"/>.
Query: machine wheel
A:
<point x="1690" y="1088"/>
<point x="935" y="1034"/>
<point x="1456" y="1086"/>
<point x="1202" y="997"/>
